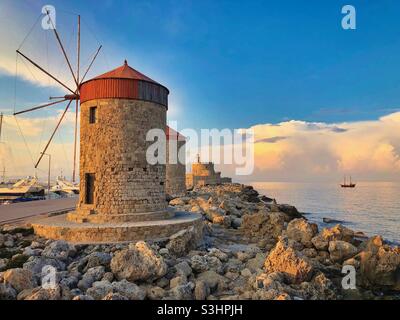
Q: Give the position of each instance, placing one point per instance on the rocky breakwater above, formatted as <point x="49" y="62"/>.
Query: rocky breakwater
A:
<point x="252" y="248"/>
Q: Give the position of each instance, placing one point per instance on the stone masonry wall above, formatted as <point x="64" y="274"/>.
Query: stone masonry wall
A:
<point x="176" y="172"/>
<point x="114" y="148"/>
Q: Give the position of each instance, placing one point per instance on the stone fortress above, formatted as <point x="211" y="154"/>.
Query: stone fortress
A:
<point x="123" y="197"/>
<point x="204" y="174"/>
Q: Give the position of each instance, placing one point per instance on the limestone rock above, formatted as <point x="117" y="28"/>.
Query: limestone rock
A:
<point x="155" y="293"/>
<point x="213" y="280"/>
<point x="99" y="290"/>
<point x="7" y="292"/>
<point x="36" y="264"/>
<point x="283" y="258"/>
<point x="91" y="276"/>
<point x="302" y="231"/>
<point x="183" y="241"/>
<point x="341" y="250"/>
<point x="338" y="232"/>
<point x="129" y="290"/>
<point x="263" y="225"/>
<point x="182" y="292"/>
<point x="19" y="279"/>
<point x="380" y="265"/>
<point x="183" y="269"/>
<point x="60" y="250"/>
<point x="199" y="263"/>
<point x="139" y="262"/>
<point x="115" y="296"/>
<point x="201" y="290"/>
<point x="40" y="293"/>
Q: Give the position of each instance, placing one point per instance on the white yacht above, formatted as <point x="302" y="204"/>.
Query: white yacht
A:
<point x="64" y="187"/>
<point x="27" y="189"/>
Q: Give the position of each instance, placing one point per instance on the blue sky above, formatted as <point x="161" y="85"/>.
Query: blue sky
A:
<point x="228" y="64"/>
<point x="237" y="63"/>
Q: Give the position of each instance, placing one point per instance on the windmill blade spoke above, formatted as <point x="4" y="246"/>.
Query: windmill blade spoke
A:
<point x="52" y="135"/>
<point x="40" y="107"/>
<point x="62" y="49"/>
<point x="44" y="71"/>
<point x="91" y="63"/>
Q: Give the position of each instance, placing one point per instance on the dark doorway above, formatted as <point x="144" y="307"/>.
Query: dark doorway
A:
<point x="89" y="182"/>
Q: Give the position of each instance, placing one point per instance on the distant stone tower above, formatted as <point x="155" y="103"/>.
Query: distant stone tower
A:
<point x="118" y="108"/>
<point x="176" y="171"/>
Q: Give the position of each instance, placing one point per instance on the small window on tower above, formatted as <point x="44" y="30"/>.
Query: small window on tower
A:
<point x="92" y="114"/>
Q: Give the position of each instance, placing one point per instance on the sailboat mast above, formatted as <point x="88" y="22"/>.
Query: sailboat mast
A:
<point x="1" y="124"/>
<point x="77" y="102"/>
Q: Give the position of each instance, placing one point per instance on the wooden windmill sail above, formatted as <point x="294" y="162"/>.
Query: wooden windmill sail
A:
<point x="73" y="94"/>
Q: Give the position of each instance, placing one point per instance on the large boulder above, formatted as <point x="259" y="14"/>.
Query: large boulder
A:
<point x="294" y="265"/>
<point x="379" y="265"/>
<point x="184" y="240"/>
<point x="7" y="292"/>
<point x="263" y="225"/>
<point x="19" y="279"/>
<point x="129" y="290"/>
<point x="138" y="262"/>
<point x="302" y="231"/>
<point x="60" y="250"/>
<point x="338" y="232"/>
<point x="40" y="293"/>
<point x="341" y="250"/>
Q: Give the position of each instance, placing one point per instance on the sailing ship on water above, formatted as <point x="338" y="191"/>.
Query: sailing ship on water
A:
<point x="348" y="185"/>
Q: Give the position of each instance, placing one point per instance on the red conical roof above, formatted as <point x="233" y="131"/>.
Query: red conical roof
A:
<point x="124" y="82"/>
<point x="125" y="72"/>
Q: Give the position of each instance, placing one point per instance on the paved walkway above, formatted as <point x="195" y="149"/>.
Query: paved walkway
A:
<point x="19" y="211"/>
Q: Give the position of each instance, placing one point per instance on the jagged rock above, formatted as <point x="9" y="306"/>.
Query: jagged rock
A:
<point x="183" y="241"/>
<point x="338" y="232"/>
<point x="302" y="231"/>
<point x="129" y="290"/>
<point x="40" y="293"/>
<point x="155" y="293"/>
<point x="59" y="250"/>
<point x="199" y="263"/>
<point x="96" y="259"/>
<point x="115" y="296"/>
<point x="341" y="250"/>
<point x="83" y="297"/>
<point x="182" y="292"/>
<point x="215" y="252"/>
<point x="36" y="264"/>
<point x="201" y="290"/>
<point x="99" y="290"/>
<point x="183" y="269"/>
<point x="19" y="279"/>
<point x="263" y="225"/>
<point x="7" y="292"/>
<point x="177" y="281"/>
<point x="213" y="280"/>
<point x="139" y="262"/>
<point x="91" y="276"/>
<point x="289" y="210"/>
<point x="237" y="223"/>
<point x="283" y="258"/>
<point x="379" y="265"/>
